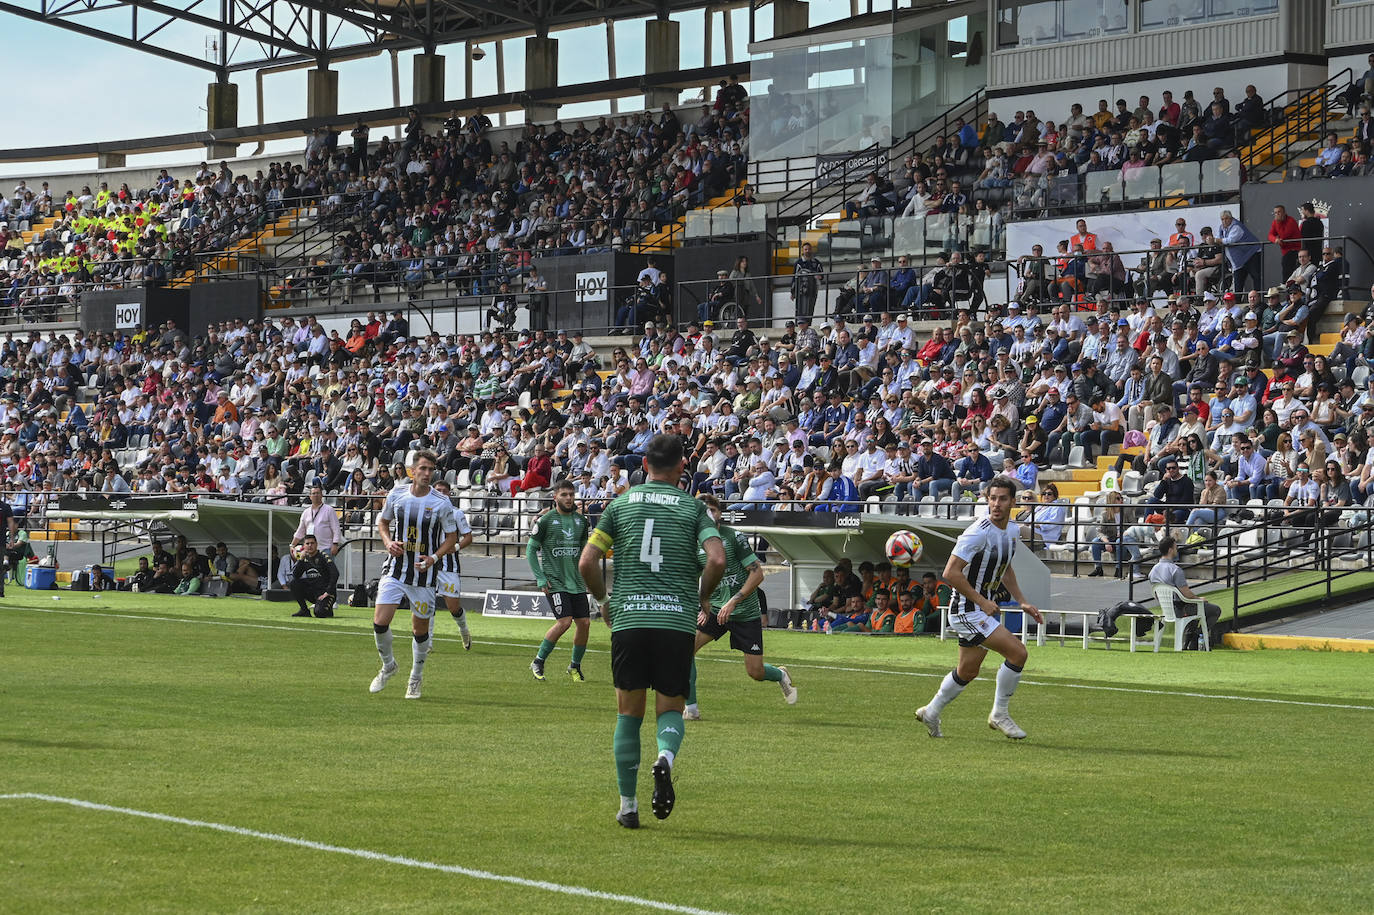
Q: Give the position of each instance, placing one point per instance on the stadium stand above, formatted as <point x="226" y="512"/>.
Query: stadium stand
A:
<point x="912" y="384"/>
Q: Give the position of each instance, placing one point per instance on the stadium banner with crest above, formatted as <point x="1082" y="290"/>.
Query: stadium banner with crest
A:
<point x="527" y="604"/>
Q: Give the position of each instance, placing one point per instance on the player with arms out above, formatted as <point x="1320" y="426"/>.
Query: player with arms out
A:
<point x="449" y="568"/>
<point x="553" y="552"/>
<point x="652" y="610"/>
<point x="418" y="529"/>
<point x="978" y="569"/>
<point x="735" y="609"/>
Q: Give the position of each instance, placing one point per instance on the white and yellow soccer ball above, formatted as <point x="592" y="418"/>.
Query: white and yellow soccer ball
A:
<point x="904" y="548"/>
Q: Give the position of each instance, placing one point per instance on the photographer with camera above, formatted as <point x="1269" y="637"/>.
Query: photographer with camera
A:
<point x="314" y="579"/>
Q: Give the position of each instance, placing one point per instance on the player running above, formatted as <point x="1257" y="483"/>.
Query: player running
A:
<point x="426" y="531"/>
<point x="553" y="553"/>
<point x="978" y="569"/>
<point x="450" y="567"/>
<point x="652" y="611"/>
<point x="735" y="609"/>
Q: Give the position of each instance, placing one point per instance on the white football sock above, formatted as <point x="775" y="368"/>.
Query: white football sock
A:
<point x="1007" y="679"/>
<point x="668" y="755"/>
<point x="419" y="650"/>
<point x="384" y="646"/>
<point x="949" y="688"/>
<point x="629" y="804"/>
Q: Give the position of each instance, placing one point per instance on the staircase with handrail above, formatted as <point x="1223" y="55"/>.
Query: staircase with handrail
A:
<point x="1308" y="116"/>
<point x="812" y="207"/>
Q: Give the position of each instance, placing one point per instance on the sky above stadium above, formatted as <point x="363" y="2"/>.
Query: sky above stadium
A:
<point x="119" y="93"/>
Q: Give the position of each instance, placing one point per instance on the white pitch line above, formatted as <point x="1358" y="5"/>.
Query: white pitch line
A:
<point x="799" y="665"/>
<point x="365" y="854"/>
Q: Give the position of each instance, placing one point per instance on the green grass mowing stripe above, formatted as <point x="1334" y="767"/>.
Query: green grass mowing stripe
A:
<point x="363" y="853"/>
<point x="801" y="663"/>
<point x="839" y="804"/>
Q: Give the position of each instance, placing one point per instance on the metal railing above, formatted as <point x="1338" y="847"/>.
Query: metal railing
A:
<point x="1306" y="111"/>
<point x="1115" y="189"/>
<point x="1240" y="544"/>
<point x="1137" y="284"/>
<point x="823" y="190"/>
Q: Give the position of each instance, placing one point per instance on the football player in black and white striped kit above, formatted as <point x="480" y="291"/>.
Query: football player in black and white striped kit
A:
<point x="978" y="568"/>
<point x="449" y="578"/>
<point x="418" y="529"/>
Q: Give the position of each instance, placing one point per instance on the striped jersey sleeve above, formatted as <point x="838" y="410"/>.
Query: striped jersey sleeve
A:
<point x="988" y="551"/>
<point x="451" y="563"/>
<point x="419" y="524"/>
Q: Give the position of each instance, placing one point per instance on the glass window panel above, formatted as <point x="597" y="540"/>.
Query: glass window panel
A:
<point x="1090" y="18"/>
<point x="1024" y="23"/>
<point x="909" y="235"/>
<point x="1142" y="183"/>
<point x="1219" y="175"/>
<point x="1065" y="191"/>
<point x="1102" y="186"/>
<point x="698" y="223"/>
<point x="1170" y="14"/>
<point x="1181" y="179"/>
<point x="754" y="218"/>
<point x="725" y="221"/>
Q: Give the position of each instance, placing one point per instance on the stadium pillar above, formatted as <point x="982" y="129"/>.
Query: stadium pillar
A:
<point x="790" y="16"/>
<point x="541" y="72"/>
<point x="661" y="56"/>
<point x="428" y="79"/>
<point x="221" y="113"/>
<point x="109" y="160"/>
<point x="321" y="93"/>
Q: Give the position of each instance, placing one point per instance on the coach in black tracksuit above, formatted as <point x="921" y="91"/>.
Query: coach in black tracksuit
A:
<point x="313" y="579"/>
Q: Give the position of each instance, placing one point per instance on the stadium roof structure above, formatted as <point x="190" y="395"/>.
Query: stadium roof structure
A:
<point x="237" y="35"/>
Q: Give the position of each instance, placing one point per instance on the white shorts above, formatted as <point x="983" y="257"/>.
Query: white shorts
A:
<point x="448" y="584"/>
<point x="972" y="626"/>
<point x="390" y="591"/>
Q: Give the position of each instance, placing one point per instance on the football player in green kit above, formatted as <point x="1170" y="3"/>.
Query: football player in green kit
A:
<point x="553" y="553"/>
<point x="657" y="592"/>
<point x="735" y="609"/>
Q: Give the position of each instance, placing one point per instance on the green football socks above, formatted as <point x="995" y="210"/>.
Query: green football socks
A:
<point x="772" y="674"/>
<point x="669" y="734"/>
<point x="578" y="652"/>
<point x="545" y="649"/>
<point x="626" y="749"/>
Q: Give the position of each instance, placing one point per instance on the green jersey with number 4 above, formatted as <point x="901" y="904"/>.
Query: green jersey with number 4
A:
<point x="655" y="530"/>
<point x="739" y="556"/>
<point x="554" y="549"/>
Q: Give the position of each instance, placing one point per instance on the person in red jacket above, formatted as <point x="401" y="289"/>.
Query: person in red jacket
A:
<point x="1286" y="231"/>
<point x="538" y="472"/>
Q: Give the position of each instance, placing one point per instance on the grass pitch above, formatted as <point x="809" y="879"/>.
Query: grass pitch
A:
<point x="1151" y="783"/>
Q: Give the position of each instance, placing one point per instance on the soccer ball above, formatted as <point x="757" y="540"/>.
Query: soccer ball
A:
<point x="904" y="548"/>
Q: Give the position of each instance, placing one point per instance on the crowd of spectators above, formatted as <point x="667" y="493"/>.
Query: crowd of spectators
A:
<point x="441" y="204"/>
<point x="879" y="598"/>
<point x="112" y="238"/>
<point x="817" y="417"/>
<point x="451" y="205"/>
<point x="966" y="184"/>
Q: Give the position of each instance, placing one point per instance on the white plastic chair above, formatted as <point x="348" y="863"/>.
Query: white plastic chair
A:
<point x="1166" y="595"/>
